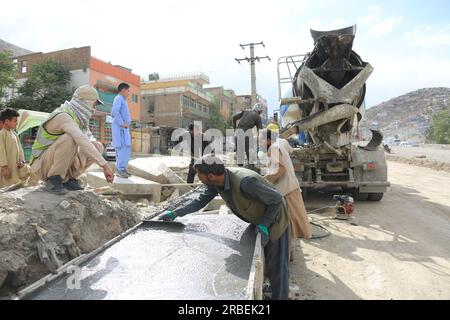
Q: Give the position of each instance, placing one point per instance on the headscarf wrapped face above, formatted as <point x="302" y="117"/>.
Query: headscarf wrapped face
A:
<point x="83" y="110"/>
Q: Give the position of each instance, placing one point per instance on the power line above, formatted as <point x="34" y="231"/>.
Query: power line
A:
<point x="252" y="60"/>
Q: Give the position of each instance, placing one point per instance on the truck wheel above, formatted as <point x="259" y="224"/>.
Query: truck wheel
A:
<point x="375" y="196"/>
<point x="360" y="196"/>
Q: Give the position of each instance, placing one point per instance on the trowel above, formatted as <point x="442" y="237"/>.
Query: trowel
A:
<point x="156" y="223"/>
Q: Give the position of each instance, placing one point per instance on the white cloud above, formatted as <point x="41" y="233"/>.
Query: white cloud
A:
<point x="376" y="24"/>
<point x="385" y="26"/>
<point x="428" y="37"/>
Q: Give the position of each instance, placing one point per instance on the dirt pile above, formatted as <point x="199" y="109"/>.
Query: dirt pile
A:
<point x="39" y="232"/>
<point x="420" y="162"/>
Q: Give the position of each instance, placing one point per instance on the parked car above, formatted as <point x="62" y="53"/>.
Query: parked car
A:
<point x="405" y="144"/>
<point x="109" y="153"/>
<point x="409" y="144"/>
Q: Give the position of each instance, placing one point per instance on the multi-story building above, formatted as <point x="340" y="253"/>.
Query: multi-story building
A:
<point x="176" y="101"/>
<point x="86" y="69"/>
<point x="224" y="100"/>
<point x="242" y="103"/>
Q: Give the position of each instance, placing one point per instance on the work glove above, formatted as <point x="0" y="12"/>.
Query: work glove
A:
<point x="262" y="229"/>
<point x="168" y="216"/>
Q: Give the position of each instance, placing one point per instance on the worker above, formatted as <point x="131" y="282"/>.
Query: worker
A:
<point x="1" y="122"/>
<point x="121" y="139"/>
<point x="248" y="119"/>
<point x="273" y="126"/>
<point x="280" y="172"/>
<point x="63" y="149"/>
<point x="11" y="153"/>
<point x="254" y="200"/>
<point x="285" y="145"/>
<point x="196" y="138"/>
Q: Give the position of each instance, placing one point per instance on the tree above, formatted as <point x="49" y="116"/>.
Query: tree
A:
<point x="216" y="121"/>
<point x="7" y="73"/>
<point x="45" y="89"/>
<point x="439" y="132"/>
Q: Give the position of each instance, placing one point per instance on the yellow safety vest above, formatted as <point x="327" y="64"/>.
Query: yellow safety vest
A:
<point x="45" y="139"/>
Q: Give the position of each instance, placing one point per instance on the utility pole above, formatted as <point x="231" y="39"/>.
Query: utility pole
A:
<point x="252" y="60"/>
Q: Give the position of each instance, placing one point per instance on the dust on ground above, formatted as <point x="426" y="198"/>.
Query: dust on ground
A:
<point x="398" y="250"/>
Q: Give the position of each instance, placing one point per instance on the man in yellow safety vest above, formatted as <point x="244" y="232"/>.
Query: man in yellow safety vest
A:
<point x="64" y="147"/>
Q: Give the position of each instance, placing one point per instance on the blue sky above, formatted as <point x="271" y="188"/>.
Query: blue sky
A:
<point x="407" y="42"/>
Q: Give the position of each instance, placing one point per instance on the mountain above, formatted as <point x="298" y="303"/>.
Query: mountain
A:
<point x="17" y="51"/>
<point x="408" y="116"/>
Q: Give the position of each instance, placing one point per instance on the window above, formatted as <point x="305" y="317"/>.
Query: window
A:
<point x="186" y="101"/>
<point x="94" y="126"/>
<point x="108" y="133"/>
<point x="135" y="98"/>
<point x="24" y="66"/>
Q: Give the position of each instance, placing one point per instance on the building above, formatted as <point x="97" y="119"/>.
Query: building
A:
<point x="86" y="69"/>
<point x="224" y="100"/>
<point x="244" y="102"/>
<point x="175" y="101"/>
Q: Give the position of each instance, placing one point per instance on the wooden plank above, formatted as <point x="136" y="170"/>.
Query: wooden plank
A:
<point x="256" y="278"/>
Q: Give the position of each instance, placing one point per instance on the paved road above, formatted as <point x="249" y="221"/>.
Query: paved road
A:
<point x="399" y="250"/>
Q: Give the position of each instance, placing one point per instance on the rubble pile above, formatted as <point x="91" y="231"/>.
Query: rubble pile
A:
<point x="40" y="231"/>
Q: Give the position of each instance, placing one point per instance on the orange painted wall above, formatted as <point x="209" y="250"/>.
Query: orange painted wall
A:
<point x="107" y="73"/>
<point x="116" y="72"/>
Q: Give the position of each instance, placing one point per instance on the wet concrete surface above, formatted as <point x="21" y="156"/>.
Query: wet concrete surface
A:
<point x="208" y="259"/>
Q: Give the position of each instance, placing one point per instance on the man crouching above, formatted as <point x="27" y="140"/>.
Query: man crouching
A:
<point x="63" y="149"/>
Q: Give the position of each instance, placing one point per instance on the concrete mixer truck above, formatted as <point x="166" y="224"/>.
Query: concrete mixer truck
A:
<point x="321" y="105"/>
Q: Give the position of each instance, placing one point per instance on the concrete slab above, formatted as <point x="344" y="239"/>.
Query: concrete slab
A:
<point x="131" y="186"/>
<point x="215" y="204"/>
<point x="153" y="168"/>
<point x="209" y="260"/>
<point x="147" y="169"/>
<point x="175" y="163"/>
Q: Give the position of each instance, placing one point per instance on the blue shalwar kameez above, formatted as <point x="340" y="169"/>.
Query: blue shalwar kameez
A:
<point x="121" y="139"/>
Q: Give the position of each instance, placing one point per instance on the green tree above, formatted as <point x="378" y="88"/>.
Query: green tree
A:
<point x="45" y="89"/>
<point x="7" y="73"/>
<point x="439" y="132"/>
<point x="216" y="121"/>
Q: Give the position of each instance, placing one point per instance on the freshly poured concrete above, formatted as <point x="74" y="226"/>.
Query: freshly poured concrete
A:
<point x="209" y="259"/>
